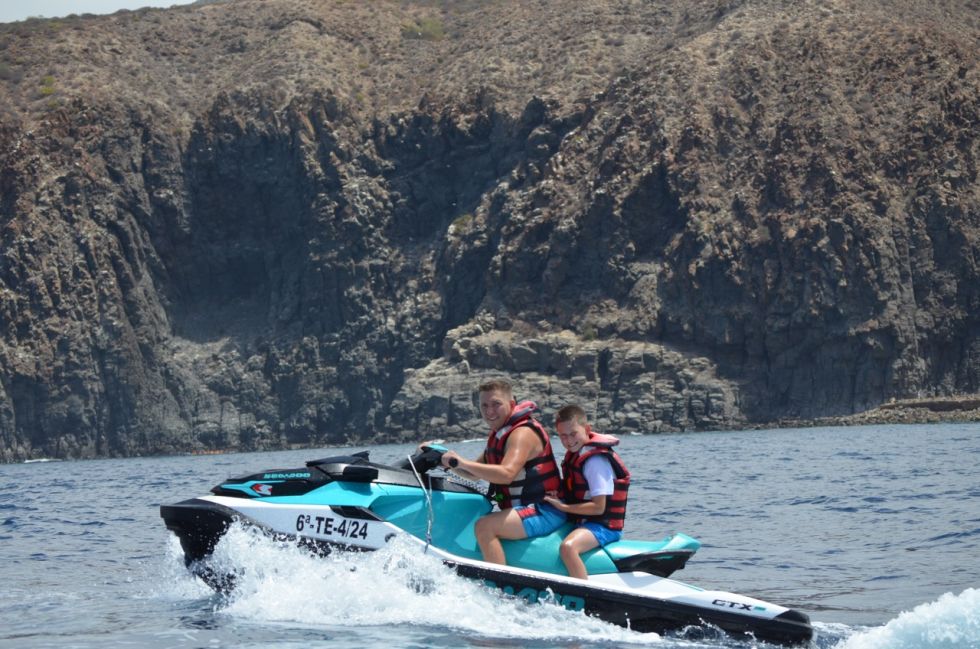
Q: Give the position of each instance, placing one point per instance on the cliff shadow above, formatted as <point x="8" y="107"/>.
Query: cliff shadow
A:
<point x="241" y="255"/>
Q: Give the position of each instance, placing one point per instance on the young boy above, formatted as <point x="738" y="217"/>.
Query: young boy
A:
<point x="594" y="486"/>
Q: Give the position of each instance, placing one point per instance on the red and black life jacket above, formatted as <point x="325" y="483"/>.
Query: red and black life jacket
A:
<point x="539" y="474"/>
<point x="575" y="486"/>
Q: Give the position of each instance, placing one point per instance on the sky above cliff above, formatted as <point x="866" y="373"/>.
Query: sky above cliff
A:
<point x="12" y="10"/>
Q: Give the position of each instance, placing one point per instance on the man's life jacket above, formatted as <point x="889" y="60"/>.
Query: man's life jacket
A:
<point x="575" y="485"/>
<point x="539" y="474"/>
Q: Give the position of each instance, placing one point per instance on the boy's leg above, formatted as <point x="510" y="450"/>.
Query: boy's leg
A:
<point x="578" y="541"/>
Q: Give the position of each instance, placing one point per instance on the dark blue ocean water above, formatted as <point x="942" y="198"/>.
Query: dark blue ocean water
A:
<point x="872" y="531"/>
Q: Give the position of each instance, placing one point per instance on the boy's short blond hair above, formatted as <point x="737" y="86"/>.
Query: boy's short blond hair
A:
<point x="572" y="412"/>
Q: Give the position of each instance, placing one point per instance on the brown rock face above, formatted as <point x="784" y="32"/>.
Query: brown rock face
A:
<point x="252" y="224"/>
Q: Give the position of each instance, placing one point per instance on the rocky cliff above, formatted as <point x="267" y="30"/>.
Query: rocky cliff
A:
<point x="256" y="223"/>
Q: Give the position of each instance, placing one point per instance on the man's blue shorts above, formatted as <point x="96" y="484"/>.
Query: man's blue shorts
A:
<point x="540" y="519"/>
<point x="602" y="534"/>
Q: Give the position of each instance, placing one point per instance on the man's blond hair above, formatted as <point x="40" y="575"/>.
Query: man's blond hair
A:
<point x="498" y="385"/>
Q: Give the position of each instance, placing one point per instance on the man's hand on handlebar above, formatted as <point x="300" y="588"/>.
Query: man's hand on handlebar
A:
<point x="450" y="459"/>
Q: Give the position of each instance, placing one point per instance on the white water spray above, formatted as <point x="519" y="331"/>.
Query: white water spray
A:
<point x="951" y="622"/>
<point x="279" y="582"/>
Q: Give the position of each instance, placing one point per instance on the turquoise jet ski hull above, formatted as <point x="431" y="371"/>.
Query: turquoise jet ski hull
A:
<point x="351" y="503"/>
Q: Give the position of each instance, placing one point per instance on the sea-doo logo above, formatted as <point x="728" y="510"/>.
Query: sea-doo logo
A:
<point x="736" y="605"/>
<point x="285" y="476"/>
<point x="533" y="595"/>
<point x="262" y="489"/>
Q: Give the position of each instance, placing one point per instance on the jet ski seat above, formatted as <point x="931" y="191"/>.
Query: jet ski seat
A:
<point x="660" y="558"/>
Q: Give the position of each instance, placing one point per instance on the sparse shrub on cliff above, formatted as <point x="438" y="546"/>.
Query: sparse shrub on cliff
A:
<point x="47" y="86"/>
<point x="462" y="221"/>
<point x="425" y="29"/>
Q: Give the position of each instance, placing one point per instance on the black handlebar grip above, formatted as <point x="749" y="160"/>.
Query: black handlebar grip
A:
<point x="453" y="462"/>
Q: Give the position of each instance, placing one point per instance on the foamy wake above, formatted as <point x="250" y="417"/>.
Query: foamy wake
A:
<point x="399" y="585"/>
<point x="951" y="622"/>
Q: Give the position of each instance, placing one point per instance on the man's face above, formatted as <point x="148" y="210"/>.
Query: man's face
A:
<point x="496" y="406"/>
<point x="573" y="434"/>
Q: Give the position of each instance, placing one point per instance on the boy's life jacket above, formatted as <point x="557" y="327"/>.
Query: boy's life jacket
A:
<point x="575" y="486"/>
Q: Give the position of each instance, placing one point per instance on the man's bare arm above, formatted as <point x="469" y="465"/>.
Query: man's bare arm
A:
<point x="522" y="444"/>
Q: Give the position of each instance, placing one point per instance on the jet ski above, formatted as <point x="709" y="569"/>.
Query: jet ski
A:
<point x="350" y="503"/>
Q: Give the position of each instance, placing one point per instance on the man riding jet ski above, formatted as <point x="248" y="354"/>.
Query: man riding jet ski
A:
<point x="350" y="503"/>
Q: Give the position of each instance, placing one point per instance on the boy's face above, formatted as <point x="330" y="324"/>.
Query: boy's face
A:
<point x="573" y="434"/>
<point x="496" y="406"/>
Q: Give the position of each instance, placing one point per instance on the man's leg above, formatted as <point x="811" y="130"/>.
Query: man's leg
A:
<point x="505" y="524"/>
<point x="578" y="541"/>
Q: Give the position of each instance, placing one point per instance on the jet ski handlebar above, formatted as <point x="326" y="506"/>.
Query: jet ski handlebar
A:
<point x="428" y="457"/>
